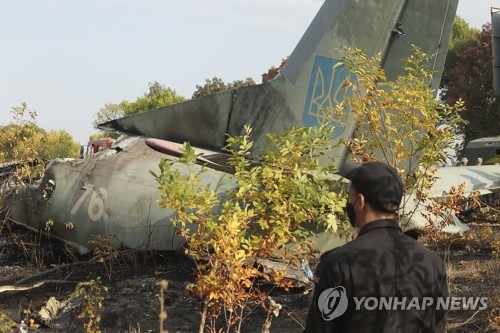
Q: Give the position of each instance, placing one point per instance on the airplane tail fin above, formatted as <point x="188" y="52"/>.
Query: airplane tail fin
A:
<point x="387" y="26"/>
<point x="309" y="81"/>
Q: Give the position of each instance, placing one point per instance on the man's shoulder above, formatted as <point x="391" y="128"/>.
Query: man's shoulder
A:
<point x="361" y="245"/>
<point x="416" y="252"/>
<point x="340" y="251"/>
<point x="417" y="245"/>
<point x="331" y="263"/>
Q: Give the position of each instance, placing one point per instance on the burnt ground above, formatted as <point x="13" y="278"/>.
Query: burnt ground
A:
<point x="131" y="304"/>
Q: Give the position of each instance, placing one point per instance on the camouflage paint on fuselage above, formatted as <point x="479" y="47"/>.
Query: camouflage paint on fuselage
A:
<point x="114" y="191"/>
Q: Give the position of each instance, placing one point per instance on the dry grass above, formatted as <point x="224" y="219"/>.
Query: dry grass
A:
<point x="475" y="277"/>
<point x="473" y="268"/>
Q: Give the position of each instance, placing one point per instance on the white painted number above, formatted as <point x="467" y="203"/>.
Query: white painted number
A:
<point x="79" y="202"/>
<point x="95" y="209"/>
<point x="96" y="204"/>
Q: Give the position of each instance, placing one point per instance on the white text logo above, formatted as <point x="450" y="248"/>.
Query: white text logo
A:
<point x="415" y="303"/>
<point x="333" y="302"/>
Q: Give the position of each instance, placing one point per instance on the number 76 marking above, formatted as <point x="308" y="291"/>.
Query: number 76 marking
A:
<point x="95" y="209"/>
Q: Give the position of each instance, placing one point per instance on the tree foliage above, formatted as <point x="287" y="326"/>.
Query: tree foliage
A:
<point x="158" y="96"/>
<point x="399" y="122"/>
<point x="273" y="71"/>
<point x="60" y="144"/>
<point x="468" y="75"/>
<point x="103" y="135"/>
<point x="277" y="201"/>
<point x="462" y="32"/>
<point x="216" y="85"/>
<point x="281" y="197"/>
<point x="108" y="112"/>
<point x="23" y="140"/>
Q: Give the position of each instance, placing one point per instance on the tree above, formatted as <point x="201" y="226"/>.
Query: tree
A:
<point x="157" y="97"/>
<point x="29" y="146"/>
<point x="468" y="75"/>
<point x="399" y="123"/>
<point x="104" y="135"/>
<point x="277" y="201"/>
<point x="15" y="138"/>
<point x="60" y="144"/>
<point x="241" y="83"/>
<point x="216" y="85"/>
<point x="23" y="140"/>
<point x="279" y="197"/>
<point x="273" y="71"/>
<point x="108" y="112"/>
<point x="462" y="31"/>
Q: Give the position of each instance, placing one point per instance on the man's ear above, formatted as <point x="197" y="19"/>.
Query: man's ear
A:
<point x="361" y="201"/>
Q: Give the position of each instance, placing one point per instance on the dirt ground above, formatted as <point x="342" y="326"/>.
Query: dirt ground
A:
<point x="132" y="305"/>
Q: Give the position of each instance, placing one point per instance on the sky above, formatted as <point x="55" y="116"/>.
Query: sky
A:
<point x="68" y="58"/>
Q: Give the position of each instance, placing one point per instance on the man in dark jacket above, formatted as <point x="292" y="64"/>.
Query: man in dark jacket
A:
<point x="383" y="281"/>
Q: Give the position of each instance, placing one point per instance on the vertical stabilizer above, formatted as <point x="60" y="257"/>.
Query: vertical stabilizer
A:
<point x="309" y="82"/>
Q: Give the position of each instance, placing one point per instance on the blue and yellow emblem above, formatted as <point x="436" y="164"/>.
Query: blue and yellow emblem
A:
<point x="326" y="89"/>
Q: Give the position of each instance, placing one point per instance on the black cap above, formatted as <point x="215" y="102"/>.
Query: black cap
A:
<point x="379" y="183"/>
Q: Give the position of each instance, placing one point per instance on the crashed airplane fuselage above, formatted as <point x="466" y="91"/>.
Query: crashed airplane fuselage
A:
<point x="114" y="191"/>
<point x="111" y="193"/>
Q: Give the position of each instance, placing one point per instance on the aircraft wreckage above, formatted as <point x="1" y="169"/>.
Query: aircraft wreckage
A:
<point x="114" y="192"/>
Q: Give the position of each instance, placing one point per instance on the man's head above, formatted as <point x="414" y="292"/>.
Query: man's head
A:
<point x="375" y="191"/>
